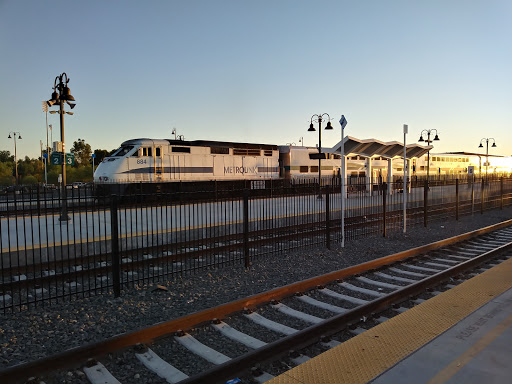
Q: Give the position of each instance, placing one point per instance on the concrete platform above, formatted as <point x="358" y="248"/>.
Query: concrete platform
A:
<point x="463" y="335"/>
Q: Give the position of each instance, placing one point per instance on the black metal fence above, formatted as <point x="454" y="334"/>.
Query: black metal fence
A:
<point x="112" y="242"/>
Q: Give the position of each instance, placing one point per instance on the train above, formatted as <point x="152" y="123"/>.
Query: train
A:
<point x="166" y="165"/>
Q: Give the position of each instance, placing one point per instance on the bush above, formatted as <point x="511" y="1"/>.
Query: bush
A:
<point x="29" y="180"/>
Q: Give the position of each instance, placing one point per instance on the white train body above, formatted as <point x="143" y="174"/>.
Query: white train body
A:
<point x="160" y="161"/>
<point x="299" y="163"/>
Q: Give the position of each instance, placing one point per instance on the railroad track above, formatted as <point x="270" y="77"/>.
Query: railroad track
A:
<point x="262" y="336"/>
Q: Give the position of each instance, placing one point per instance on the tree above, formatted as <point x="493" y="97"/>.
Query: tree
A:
<point x="100" y="155"/>
<point x="6" y="170"/>
<point x="5" y="157"/>
<point x="82" y="152"/>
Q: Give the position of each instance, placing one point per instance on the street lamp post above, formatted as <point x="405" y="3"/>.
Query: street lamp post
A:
<point x="343" y="123"/>
<point x="61" y="94"/>
<point x="51" y="138"/>
<point x="428" y="141"/>
<point x="15" y="151"/>
<point x="45" y="110"/>
<point x="318" y="119"/>
<point x="487" y="151"/>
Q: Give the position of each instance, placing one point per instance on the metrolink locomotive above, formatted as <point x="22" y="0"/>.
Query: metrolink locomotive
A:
<point x="160" y="165"/>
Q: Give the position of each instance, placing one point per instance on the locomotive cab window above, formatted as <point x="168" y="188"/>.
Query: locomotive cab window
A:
<point x="136" y="153"/>
<point x="157" y="151"/>
<point x="147" y="151"/>
<point x="123" y="150"/>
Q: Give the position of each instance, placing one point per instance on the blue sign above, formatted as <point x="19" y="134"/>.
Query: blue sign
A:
<point x="45" y="155"/>
<point x="93" y="155"/>
<point x="343" y="121"/>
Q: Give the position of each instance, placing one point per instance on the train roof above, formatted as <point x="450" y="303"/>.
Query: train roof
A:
<point x="204" y="143"/>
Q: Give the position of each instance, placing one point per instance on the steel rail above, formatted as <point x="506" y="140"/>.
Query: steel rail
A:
<point x="328" y="327"/>
<point x="79" y="355"/>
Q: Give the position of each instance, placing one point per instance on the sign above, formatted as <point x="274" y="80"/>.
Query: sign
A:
<point x="45" y="155"/>
<point x="258" y="184"/>
<point x="317" y="156"/>
<point x="93" y="155"/>
<point x="343" y="121"/>
<point x="471" y="170"/>
<point x="56" y="158"/>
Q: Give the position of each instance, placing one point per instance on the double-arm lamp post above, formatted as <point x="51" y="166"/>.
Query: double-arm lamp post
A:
<point x="428" y="141"/>
<point x="15" y="151"/>
<point x="487" y="151"/>
<point x="318" y="119"/>
<point x="61" y="94"/>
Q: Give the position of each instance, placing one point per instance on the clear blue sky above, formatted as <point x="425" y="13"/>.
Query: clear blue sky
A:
<point x="255" y="71"/>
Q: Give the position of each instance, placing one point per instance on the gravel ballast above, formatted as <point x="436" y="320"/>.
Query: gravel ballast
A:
<point x="44" y="331"/>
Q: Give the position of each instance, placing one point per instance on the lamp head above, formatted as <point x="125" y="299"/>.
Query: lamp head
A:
<point x="436" y="138"/>
<point x="481" y="145"/>
<point x="311" y="128"/>
<point x="9" y="137"/>
<point x="494" y="145"/>
<point x="19" y="136"/>
<point x="67" y="94"/>
<point x="71" y="105"/>
<point x="421" y="138"/>
<point x="329" y="125"/>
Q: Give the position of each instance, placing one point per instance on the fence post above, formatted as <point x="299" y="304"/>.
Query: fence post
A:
<point x="482" y="197"/>
<point x="501" y="193"/>
<point x="38" y="200"/>
<point x="425" y="203"/>
<point x="327" y="219"/>
<point x="384" y="194"/>
<point x="457" y="199"/>
<point x="246" y="229"/>
<point x="114" y="230"/>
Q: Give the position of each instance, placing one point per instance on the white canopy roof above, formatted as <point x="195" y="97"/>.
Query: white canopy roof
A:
<point x="372" y="147"/>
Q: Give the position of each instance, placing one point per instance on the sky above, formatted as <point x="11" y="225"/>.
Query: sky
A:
<point x="257" y="71"/>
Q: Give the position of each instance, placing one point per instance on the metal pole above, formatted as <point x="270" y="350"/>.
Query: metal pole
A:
<point x="404" y="194"/>
<point x="319" y="157"/>
<point x="114" y="230"/>
<point x="457" y="199"/>
<point x="41" y="143"/>
<point x="501" y="193"/>
<point x="247" y="258"/>
<point x="482" y="197"/>
<point x="428" y="160"/>
<point x="425" y="204"/>
<point x="64" y="213"/>
<point x="15" y="158"/>
<point x="384" y="223"/>
<point x="486" y="159"/>
<point x="327" y="219"/>
<point x="343" y="192"/>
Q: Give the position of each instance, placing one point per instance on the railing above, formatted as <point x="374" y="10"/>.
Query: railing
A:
<point x="111" y="243"/>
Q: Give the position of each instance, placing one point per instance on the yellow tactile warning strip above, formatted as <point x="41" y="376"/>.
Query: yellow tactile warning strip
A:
<point x="367" y="355"/>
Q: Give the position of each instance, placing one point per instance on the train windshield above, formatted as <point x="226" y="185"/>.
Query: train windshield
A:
<point x="123" y="150"/>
